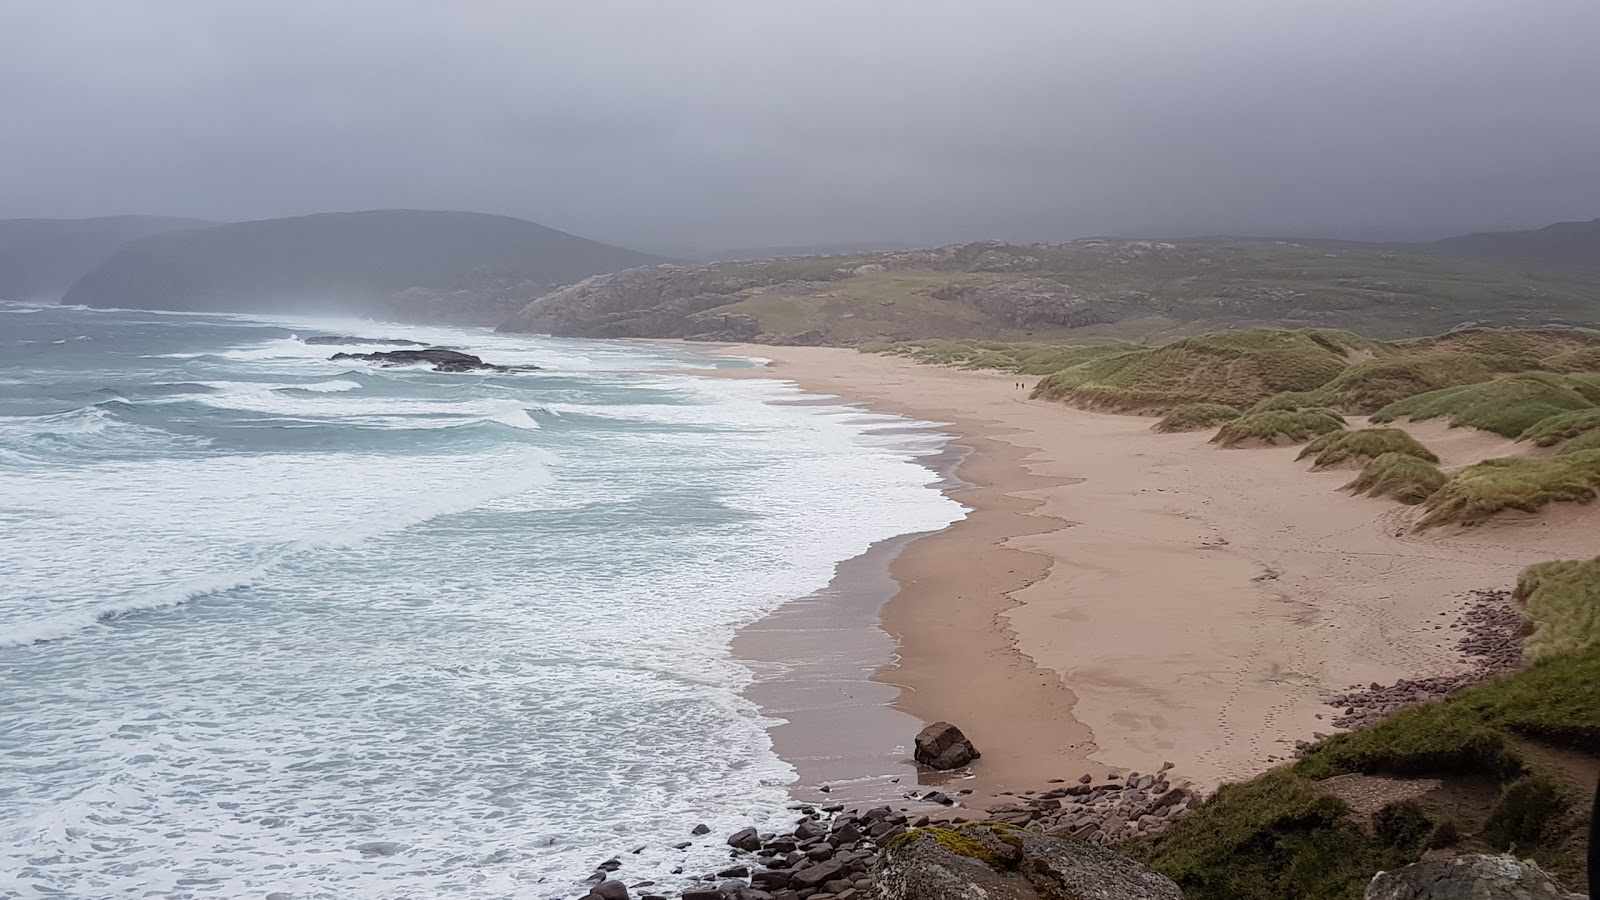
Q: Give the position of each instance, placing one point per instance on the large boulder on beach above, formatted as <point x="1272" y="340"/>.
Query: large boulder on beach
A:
<point x="943" y="746"/>
<point x="993" y="862"/>
<point x="1468" y="878"/>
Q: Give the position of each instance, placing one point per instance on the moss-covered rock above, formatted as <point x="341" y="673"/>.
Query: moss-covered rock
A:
<point x="993" y="862"/>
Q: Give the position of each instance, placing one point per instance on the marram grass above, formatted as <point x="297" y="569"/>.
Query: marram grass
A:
<point x="1399" y="476"/>
<point x="1479" y="492"/>
<point x="1363" y="445"/>
<point x="1278" y="427"/>
<point x="1557" y="429"/>
<point x="1506" y="406"/>
<point x="1197" y="417"/>
<point x="1561" y="600"/>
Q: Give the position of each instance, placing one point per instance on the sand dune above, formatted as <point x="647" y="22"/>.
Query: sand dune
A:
<point x="1121" y="598"/>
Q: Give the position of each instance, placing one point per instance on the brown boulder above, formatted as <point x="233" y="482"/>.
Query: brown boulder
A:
<point x="943" y="746"/>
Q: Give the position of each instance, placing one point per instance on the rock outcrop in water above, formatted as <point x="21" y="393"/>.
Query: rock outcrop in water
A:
<point x="441" y="359"/>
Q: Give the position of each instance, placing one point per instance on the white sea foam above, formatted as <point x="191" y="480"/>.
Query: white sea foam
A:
<point x="364" y="668"/>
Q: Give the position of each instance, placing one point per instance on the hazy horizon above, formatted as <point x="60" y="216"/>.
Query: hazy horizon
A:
<point x="684" y="129"/>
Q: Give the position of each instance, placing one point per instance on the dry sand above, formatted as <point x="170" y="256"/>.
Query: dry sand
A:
<point x="1119" y="598"/>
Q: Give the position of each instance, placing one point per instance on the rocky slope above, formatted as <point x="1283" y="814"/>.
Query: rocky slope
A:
<point x="41" y="258"/>
<point x="412" y="265"/>
<point x="1134" y="290"/>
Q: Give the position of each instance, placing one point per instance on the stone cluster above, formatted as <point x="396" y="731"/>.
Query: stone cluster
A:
<point x="831" y="852"/>
<point x="1102" y="814"/>
<point x="1492" y="646"/>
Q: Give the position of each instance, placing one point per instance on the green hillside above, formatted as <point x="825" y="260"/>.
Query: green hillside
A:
<point x="1090" y="290"/>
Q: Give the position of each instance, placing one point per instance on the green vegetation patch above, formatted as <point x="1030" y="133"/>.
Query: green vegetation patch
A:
<point x="1279" y="837"/>
<point x="1372" y="385"/>
<point x="1584" y="360"/>
<point x="1506" y="406"/>
<point x="1362" y="446"/>
<point x="1278" y="427"/>
<point x="1561" y="600"/>
<point x="1564" y="427"/>
<point x="1024" y="358"/>
<point x="1230" y="368"/>
<point x="1273" y="838"/>
<point x="1197" y="417"/>
<point x="1400" y="476"/>
<point x="994" y="844"/>
<point x="1495" y="485"/>
<point x="1589" y="440"/>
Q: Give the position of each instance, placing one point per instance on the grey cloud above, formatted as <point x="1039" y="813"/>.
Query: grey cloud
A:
<point x="682" y="124"/>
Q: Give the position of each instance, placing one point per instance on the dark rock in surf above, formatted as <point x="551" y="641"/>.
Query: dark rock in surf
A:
<point x="943" y="746"/>
<point x="702" y="828"/>
<point x="441" y="359"/>
<point x="745" y="839"/>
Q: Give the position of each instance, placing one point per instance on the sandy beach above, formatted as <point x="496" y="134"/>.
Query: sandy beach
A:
<point x="1119" y="598"/>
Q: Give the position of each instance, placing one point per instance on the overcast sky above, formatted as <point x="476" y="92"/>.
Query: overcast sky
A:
<point x="696" y="124"/>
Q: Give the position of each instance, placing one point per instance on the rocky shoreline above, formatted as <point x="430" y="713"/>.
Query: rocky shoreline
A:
<point x="1492" y="646"/>
<point x="832" y="850"/>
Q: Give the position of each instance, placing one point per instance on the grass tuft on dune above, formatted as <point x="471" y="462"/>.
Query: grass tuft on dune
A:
<point x="1586" y="359"/>
<point x="1589" y="440"/>
<point x="1197" y="417"/>
<point x="1402" y="477"/>
<point x="1557" y="429"/>
<point x="1507" y="406"/>
<point x="1278" y="427"/>
<point x="1230" y="368"/>
<point x="1363" y="445"/>
<point x="1479" y="492"/>
<point x="1561" y="600"/>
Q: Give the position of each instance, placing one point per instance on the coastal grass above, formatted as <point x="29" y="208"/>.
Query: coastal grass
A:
<point x="1230" y="368"/>
<point x="1558" y="429"/>
<point x="1589" y="440"/>
<point x="1363" y="445"/>
<point x="1372" y="385"/>
<point x="1280" y="837"/>
<point x="1197" y="417"/>
<point x="1023" y="358"/>
<point x="1399" y="476"/>
<point x="1479" y="492"/>
<point x="1586" y="359"/>
<point x="1561" y="600"/>
<point x="1278" y="427"/>
<point x="1505" y="406"/>
<point x="1275" y="837"/>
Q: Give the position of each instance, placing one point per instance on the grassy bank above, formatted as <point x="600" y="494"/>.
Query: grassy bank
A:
<point x="1489" y="769"/>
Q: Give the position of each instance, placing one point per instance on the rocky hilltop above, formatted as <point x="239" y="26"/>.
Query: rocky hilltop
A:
<point x="1116" y="289"/>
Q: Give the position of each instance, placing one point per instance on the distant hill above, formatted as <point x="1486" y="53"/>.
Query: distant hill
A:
<point x="412" y="265"/>
<point x="1569" y="244"/>
<point x="41" y="258"/>
<point x="1099" y="289"/>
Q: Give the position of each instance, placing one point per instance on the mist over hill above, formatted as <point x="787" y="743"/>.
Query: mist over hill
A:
<point x="41" y="258"/>
<point x="1569" y="244"/>
<point x="411" y="265"/>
